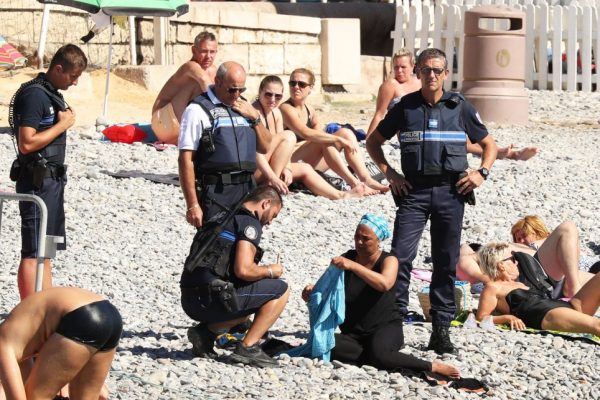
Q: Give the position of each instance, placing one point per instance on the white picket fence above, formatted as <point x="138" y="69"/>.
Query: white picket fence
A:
<point x="561" y="37"/>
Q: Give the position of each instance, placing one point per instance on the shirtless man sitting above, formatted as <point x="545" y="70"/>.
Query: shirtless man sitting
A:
<point x="522" y="307"/>
<point x="190" y="80"/>
<point x="73" y="335"/>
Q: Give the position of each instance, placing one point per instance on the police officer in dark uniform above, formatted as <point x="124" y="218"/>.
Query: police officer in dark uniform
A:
<point x="223" y="291"/>
<point x="220" y="135"/>
<point x="432" y="127"/>
<point x="40" y="118"/>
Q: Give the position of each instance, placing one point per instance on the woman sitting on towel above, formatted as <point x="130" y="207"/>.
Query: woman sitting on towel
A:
<point x="320" y="149"/>
<point x="372" y="331"/>
<point x="274" y="168"/>
<point x="522" y="307"/>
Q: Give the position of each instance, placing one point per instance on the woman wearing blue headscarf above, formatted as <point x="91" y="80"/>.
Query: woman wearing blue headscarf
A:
<point x="372" y="330"/>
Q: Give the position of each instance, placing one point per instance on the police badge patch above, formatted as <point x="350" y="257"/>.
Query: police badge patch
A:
<point x="250" y="232"/>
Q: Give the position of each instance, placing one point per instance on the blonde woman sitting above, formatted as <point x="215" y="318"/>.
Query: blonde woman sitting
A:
<point x="274" y="168"/>
<point x="320" y="149"/>
<point x="521" y="307"/>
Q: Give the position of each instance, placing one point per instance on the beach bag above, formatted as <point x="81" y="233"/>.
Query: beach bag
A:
<point x="462" y="297"/>
<point x="532" y="275"/>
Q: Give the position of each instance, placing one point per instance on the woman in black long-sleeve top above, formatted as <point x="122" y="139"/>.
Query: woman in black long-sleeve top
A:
<point x="372" y="330"/>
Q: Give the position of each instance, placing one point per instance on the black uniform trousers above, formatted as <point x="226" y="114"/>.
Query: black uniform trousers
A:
<point x="444" y="206"/>
<point x="219" y="197"/>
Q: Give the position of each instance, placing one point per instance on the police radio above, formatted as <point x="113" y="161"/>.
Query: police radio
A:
<point x="208" y="143"/>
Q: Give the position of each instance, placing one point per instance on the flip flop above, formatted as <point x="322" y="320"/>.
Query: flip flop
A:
<point x="471" y="385"/>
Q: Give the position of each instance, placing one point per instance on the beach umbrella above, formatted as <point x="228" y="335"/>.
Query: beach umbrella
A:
<point x="9" y="56"/>
<point x="137" y="8"/>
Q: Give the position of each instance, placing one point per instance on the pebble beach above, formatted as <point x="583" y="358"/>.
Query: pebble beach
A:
<point x="128" y="238"/>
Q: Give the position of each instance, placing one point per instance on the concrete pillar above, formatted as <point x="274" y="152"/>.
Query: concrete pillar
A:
<point x="340" y="49"/>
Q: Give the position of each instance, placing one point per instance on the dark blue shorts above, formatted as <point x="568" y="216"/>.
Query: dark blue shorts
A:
<point x="52" y="193"/>
<point x="251" y="297"/>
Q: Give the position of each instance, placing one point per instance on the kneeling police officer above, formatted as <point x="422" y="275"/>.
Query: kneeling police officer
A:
<point x="224" y="285"/>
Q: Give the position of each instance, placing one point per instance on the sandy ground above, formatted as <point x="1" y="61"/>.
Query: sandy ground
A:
<point x="128" y="101"/>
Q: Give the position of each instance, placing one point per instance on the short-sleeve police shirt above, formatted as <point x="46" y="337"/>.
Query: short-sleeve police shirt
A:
<point x="247" y="227"/>
<point x="34" y="109"/>
<point x="394" y="120"/>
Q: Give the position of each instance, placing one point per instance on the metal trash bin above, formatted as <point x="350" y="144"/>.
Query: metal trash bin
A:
<point x="494" y="63"/>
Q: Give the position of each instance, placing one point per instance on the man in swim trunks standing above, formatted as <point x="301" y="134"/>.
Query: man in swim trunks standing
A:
<point x="191" y="79"/>
<point x="41" y="120"/>
<point x="73" y="335"/>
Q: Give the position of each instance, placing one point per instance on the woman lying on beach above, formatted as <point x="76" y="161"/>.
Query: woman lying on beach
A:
<point x="532" y="231"/>
<point x="372" y="332"/>
<point x="320" y="149"/>
<point x="274" y="168"/>
<point x="404" y="81"/>
<point x="522" y="307"/>
<point x="558" y="255"/>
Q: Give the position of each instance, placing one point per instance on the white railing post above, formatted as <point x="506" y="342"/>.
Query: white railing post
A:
<point x="596" y="27"/>
<point x="41" y="250"/>
<point x="585" y="50"/>
<point x="572" y="48"/>
<point x="542" y="46"/>
<point x="557" y="37"/>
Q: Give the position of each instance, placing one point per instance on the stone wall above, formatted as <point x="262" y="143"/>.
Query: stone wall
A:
<point x="250" y="33"/>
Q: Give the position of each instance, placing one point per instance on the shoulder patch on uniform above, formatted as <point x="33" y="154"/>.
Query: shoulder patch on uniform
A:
<point x="250" y="232"/>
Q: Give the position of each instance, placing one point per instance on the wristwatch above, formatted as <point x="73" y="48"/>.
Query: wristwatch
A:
<point x="254" y="122"/>
<point x="484" y="172"/>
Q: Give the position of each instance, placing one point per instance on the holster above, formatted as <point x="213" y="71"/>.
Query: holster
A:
<point x="15" y="170"/>
<point x="225" y="292"/>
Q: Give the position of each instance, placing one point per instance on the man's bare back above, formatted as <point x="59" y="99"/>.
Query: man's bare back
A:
<point x="37" y="317"/>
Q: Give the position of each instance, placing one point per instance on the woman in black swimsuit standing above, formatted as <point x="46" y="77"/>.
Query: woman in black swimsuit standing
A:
<point x="372" y="331"/>
<point x="320" y="149"/>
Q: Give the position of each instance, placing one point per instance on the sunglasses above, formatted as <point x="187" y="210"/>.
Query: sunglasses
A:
<point x="511" y="258"/>
<point x="300" y="84"/>
<point x="276" y="95"/>
<point x="426" y="71"/>
<point x="233" y="90"/>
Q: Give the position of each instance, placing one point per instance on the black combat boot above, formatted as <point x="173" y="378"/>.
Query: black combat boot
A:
<point x="440" y="341"/>
<point x="203" y="341"/>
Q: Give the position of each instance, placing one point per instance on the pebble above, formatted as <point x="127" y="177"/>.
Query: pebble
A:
<point x="127" y="240"/>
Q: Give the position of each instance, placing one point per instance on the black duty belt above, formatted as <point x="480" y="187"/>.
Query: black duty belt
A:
<point x="225" y="179"/>
<point x="50" y="171"/>
<point x="445" y="178"/>
<point x="56" y="172"/>
<point x="201" y="291"/>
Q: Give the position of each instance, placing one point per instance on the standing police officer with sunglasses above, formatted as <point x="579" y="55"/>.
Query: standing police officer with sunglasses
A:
<point x="432" y="127"/>
<point x="220" y="135"/>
